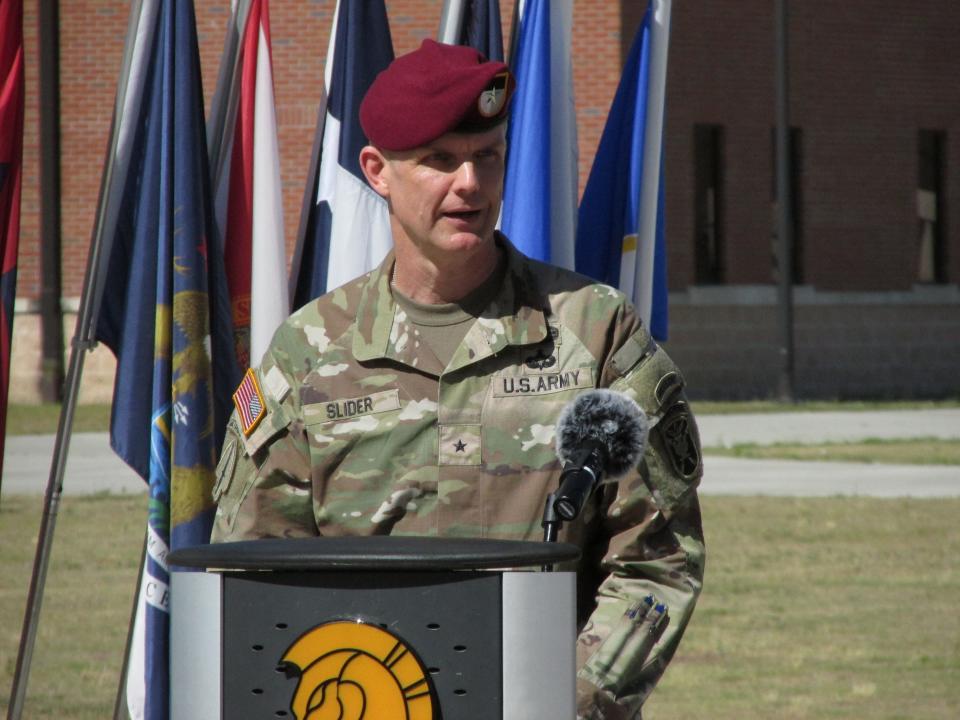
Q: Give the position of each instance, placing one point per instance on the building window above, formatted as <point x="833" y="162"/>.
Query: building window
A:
<point x="931" y="216"/>
<point x="708" y="203"/>
<point x="794" y="170"/>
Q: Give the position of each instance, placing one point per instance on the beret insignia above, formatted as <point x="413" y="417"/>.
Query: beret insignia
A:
<point x="491" y="101"/>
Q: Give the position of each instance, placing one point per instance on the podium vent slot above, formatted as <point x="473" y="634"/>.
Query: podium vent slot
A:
<point x="460" y="648"/>
<point x="281" y="626"/>
<point x="433" y="670"/>
<point x="433" y="626"/>
<point x="459" y="691"/>
<point x="257" y="691"/>
<point x="256" y="648"/>
<point x="280" y="713"/>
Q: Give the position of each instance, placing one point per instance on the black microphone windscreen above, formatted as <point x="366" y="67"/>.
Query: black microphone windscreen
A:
<point x="610" y="418"/>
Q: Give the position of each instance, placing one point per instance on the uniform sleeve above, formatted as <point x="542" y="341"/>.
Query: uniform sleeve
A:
<point x="263" y="486"/>
<point x="656" y="553"/>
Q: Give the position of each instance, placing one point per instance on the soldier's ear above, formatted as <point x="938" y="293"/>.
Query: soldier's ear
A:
<point x="374" y="166"/>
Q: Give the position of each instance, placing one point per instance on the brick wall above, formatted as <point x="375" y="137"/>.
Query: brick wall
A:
<point x="862" y="86"/>
<point x="865" y="76"/>
<point x="92" y="35"/>
<point x="28" y="261"/>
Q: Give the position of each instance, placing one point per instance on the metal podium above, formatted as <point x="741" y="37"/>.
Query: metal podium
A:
<point x="373" y="628"/>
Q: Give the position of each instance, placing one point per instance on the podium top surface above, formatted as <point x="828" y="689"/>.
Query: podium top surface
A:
<point x="373" y="553"/>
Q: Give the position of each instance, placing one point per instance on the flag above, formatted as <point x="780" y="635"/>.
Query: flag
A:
<point x="344" y="226"/>
<point x="11" y="150"/>
<point x="482" y="29"/>
<point x="620" y="240"/>
<point x="163" y="311"/>
<point x="248" y="201"/>
<point x="540" y="187"/>
<point x="475" y="23"/>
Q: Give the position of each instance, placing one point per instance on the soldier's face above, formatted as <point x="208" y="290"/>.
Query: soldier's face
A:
<point x="445" y="196"/>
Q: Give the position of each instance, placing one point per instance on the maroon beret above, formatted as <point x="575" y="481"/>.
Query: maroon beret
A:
<point x="434" y="90"/>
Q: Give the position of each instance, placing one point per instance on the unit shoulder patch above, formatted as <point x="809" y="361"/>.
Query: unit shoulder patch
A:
<point x="680" y="438"/>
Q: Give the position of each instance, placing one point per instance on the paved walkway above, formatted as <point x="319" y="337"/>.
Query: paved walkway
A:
<point x="735" y="476"/>
<point x="813" y="427"/>
<point x="93" y="467"/>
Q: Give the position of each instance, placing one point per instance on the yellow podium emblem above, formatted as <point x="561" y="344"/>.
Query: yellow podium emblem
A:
<point x="356" y="671"/>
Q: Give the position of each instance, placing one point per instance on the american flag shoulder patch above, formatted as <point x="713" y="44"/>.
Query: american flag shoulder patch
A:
<point x="249" y="403"/>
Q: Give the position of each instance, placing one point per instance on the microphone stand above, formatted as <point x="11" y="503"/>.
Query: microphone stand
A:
<point x="551" y="524"/>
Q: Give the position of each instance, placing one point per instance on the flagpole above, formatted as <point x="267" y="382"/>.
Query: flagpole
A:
<point x="83" y="340"/>
<point x="451" y="22"/>
<point x="653" y="144"/>
<point x="515" y="33"/>
<point x="785" y="221"/>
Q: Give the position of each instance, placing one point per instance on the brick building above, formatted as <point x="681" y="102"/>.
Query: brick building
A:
<point x="875" y="166"/>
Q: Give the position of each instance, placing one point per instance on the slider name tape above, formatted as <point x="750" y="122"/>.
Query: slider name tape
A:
<point x="349" y="408"/>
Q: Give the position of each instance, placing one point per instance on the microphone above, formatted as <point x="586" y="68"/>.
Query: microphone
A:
<point x="600" y="433"/>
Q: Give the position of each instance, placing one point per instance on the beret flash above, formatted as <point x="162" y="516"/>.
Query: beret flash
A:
<point x="434" y="90"/>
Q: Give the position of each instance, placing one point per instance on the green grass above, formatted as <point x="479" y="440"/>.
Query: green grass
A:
<point x="922" y="451"/>
<point x="44" y="418"/>
<point x="812" y="608"/>
<point x="711" y="407"/>
<point x="86" y="603"/>
<point x="822" y="608"/>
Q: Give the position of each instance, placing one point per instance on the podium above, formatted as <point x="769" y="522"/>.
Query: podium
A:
<point x="376" y="628"/>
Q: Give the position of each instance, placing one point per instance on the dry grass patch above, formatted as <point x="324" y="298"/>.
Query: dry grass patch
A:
<point x="822" y="608"/>
<point x="813" y="608"/>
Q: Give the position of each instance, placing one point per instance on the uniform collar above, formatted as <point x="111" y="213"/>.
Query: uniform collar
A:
<point x="513" y="317"/>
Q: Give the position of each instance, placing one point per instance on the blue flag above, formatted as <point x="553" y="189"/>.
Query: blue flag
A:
<point x="540" y="187"/>
<point x="164" y="313"/>
<point x="344" y="226"/>
<point x="616" y="243"/>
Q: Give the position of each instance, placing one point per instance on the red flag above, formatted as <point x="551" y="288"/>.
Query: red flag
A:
<point x="11" y="150"/>
<point x="254" y="248"/>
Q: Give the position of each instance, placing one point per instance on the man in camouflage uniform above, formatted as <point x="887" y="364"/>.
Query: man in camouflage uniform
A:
<point x="421" y="398"/>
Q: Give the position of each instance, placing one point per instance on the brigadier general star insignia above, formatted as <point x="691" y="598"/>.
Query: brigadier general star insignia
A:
<point x="249" y="403"/>
<point x="460" y="446"/>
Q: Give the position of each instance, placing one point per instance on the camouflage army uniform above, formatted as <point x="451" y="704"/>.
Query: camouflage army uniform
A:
<point x="366" y="433"/>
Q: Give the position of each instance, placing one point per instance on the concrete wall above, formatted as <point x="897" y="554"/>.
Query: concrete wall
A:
<point x="726" y="341"/>
<point x="96" y="384"/>
<point x="847" y="345"/>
